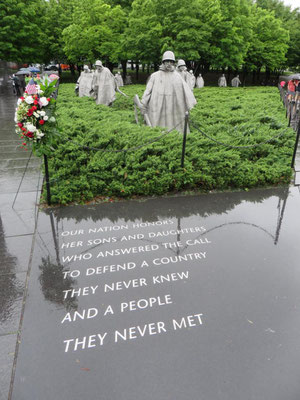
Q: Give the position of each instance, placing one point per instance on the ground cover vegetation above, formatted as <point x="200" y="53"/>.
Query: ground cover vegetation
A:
<point x="231" y="116"/>
<point x="244" y="35"/>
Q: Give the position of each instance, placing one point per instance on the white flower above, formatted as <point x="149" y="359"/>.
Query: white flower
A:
<point x="45" y="117"/>
<point x="36" y="114"/>
<point x="39" y="134"/>
<point x="44" y="102"/>
<point x="19" y="102"/>
<point x="29" y="100"/>
<point x="52" y="119"/>
<point x="30" y="127"/>
<point x="42" y="113"/>
<point x="40" y="91"/>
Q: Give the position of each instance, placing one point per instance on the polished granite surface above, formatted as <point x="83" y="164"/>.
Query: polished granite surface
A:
<point x="181" y="297"/>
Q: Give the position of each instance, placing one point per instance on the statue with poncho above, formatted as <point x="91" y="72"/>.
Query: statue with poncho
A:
<point x="84" y="82"/>
<point x="167" y="96"/>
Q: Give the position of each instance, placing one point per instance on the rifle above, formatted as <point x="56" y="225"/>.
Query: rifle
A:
<point x="137" y="103"/>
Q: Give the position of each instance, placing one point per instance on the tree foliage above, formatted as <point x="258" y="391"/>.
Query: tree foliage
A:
<point x="224" y="34"/>
<point x="95" y="32"/>
<point x="21" y="36"/>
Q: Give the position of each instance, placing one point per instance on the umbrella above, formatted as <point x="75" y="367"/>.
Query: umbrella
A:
<point x="295" y="76"/>
<point x="23" y="72"/>
<point x="34" y="69"/>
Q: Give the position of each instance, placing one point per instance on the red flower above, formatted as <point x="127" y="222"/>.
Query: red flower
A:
<point x="29" y="112"/>
<point x="48" y="99"/>
<point x="34" y="108"/>
<point x="24" y="144"/>
<point x="22" y="98"/>
<point x="35" y="102"/>
<point x="23" y="129"/>
<point x="41" y="122"/>
<point x="20" y="125"/>
<point x="29" y="134"/>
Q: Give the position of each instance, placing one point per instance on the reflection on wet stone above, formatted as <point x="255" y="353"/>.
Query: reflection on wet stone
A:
<point x="11" y="288"/>
<point x="166" y="298"/>
<point x="54" y="284"/>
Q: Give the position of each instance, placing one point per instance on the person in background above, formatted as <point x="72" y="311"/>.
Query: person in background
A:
<point x="297" y="90"/>
<point x="291" y="89"/>
<point x="17" y="85"/>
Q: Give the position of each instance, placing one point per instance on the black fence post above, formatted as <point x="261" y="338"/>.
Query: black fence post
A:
<point x="296" y="145"/>
<point x="186" y="118"/>
<point x="47" y="180"/>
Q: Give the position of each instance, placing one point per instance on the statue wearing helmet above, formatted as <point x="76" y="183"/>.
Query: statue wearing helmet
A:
<point x="200" y="81"/>
<point x="191" y="79"/>
<point x="222" y="81"/>
<point x="84" y="82"/>
<point x="167" y="96"/>
<point x="104" y="85"/>
<point x="182" y="70"/>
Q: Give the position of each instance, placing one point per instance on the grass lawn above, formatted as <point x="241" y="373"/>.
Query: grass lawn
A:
<point x="232" y="116"/>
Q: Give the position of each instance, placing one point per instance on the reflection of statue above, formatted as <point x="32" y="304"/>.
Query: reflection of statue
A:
<point x="167" y="96"/>
<point x="235" y="82"/>
<point x="119" y="79"/>
<point x="103" y="85"/>
<point x="85" y="82"/>
<point x="181" y="69"/>
<point x="53" y="284"/>
<point x="200" y="81"/>
<point x="222" y="81"/>
<point x="11" y="287"/>
<point x="191" y="80"/>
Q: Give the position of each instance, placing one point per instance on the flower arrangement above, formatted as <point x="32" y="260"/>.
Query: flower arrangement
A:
<point x="35" y="123"/>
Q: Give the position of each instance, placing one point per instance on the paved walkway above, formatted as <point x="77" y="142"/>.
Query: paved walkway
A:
<point x="17" y="227"/>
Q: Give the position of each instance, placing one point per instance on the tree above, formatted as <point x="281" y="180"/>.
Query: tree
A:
<point x="291" y="20"/>
<point x="232" y="34"/>
<point x="21" y="35"/>
<point x="95" y="32"/>
<point x="58" y="16"/>
<point x="186" y="27"/>
<point x="269" y="42"/>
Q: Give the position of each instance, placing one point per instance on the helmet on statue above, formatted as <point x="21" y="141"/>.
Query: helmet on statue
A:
<point x="181" y="63"/>
<point x="98" y="63"/>
<point x="168" y="56"/>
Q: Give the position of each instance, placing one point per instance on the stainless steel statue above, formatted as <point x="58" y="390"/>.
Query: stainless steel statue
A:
<point x="167" y="96"/>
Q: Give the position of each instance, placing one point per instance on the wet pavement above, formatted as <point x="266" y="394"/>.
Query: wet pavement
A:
<point x="17" y="226"/>
<point x="165" y="298"/>
<point x="177" y="297"/>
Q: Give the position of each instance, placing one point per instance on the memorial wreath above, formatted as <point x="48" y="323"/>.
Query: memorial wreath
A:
<point x="35" y="123"/>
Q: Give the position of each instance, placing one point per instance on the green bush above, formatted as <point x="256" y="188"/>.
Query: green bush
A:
<point x="228" y="116"/>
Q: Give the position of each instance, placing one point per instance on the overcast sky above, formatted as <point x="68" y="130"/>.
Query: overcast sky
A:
<point x="293" y="3"/>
